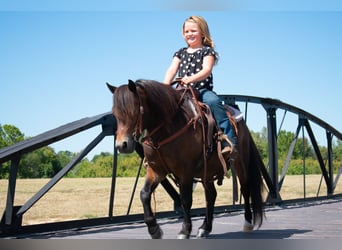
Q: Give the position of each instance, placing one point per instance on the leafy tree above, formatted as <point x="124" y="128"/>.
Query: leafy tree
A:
<point x="337" y="150"/>
<point x="102" y="154"/>
<point x="64" y="157"/>
<point x="260" y="139"/>
<point x="84" y="169"/>
<point x="128" y="165"/>
<point x="41" y="163"/>
<point x="103" y="165"/>
<point x="9" y="135"/>
<point x="284" y="141"/>
<point x="100" y="166"/>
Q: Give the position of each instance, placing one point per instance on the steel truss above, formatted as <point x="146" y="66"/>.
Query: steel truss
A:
<point x="11" y="222"/>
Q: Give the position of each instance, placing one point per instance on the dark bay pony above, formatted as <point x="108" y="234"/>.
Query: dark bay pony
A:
<point x="167" y="125"/>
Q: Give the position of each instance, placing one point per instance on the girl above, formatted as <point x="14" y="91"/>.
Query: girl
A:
<point x="194" y="65"/>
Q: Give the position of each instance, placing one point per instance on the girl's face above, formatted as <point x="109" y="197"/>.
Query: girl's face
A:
<point x="192" y="34"/>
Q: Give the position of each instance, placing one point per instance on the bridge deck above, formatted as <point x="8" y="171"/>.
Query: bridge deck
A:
<point x="312" y="220"/>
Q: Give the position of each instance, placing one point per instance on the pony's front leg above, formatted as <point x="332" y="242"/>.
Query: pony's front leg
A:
<point x="210" y="196"/>
<point x="186" y="200"/>
<point x="145" y="197"/>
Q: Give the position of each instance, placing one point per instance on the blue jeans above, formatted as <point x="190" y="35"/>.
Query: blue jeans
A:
<point x="216" y="106"/>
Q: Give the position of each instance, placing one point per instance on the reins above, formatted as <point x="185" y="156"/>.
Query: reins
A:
<point x="204" y="143"/>
<point x="146" y="139"/>
<point x="170" y="138"/>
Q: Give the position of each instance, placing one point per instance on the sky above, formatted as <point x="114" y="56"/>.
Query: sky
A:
<point x="56" y="56"/>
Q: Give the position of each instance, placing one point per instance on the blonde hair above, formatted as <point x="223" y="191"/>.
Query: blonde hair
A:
<point x="203" y="26"/>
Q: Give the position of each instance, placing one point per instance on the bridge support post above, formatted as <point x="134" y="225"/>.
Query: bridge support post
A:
<point x="272" y="151"/>
<point x="330" y="186"/>
<point x="9" y="215"/>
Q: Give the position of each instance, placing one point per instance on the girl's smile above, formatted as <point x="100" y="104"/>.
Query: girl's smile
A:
<point x="192" y="35"/>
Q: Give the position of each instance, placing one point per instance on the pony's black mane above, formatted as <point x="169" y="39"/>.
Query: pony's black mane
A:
<point x="162" y="99"/>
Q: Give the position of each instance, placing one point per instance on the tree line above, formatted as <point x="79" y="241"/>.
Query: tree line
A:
<point x="45" y="162"/>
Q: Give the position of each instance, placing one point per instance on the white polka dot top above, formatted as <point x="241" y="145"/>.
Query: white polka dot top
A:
<point x="191" y="63"/>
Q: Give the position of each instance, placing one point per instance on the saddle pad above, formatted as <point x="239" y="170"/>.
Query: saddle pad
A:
<point x="237" y="114"/>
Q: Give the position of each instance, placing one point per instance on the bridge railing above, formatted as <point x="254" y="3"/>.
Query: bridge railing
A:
<point x="304" y="118"/>
<point x="12" y="217"/>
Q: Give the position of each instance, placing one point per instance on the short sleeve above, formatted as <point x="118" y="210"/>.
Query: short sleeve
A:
<point x="179" y="53"/>
<point x="210" y="51"/>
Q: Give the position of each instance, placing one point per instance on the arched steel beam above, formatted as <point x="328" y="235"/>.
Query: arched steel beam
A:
<point x="271" y="105"/>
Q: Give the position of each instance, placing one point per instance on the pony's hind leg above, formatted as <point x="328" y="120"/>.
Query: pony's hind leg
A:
<point x="210" y="196"/>
<point x="145" y="197"/>
<point x="248" y="225"/>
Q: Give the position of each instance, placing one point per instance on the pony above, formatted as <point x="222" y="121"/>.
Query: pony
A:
<point x="168" y="126"/>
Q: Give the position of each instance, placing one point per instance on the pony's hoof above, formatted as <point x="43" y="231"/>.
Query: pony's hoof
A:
<point x="202" y="233"/>
<point x="182" y="236"/>
<point x="158" y="234"/>
<point x="248" y="227"/>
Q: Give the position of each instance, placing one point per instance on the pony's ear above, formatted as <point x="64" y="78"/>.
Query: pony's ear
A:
<point x="132" y="86"/>
<point x="111" y="88"/>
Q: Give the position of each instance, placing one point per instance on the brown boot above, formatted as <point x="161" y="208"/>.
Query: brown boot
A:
<point x="227" y="150"/>
<point x="229" y="154"/>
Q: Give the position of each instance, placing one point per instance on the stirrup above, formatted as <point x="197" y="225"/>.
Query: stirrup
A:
<point x="229" y="153"/>
<point x="230" y="148"/>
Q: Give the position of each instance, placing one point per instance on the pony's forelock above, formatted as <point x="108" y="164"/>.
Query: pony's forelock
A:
<point x="124" y="102"/>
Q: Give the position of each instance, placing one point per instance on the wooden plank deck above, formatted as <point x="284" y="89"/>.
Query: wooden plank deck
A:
<point x="311" y="220"/>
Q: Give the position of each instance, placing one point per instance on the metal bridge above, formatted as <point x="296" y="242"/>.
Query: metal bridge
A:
<point x="11" y="222"/>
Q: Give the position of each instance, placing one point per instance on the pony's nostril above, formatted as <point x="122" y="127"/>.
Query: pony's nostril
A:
<point x="124" y="144"/>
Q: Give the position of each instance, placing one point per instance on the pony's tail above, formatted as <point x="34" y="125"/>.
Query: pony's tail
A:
<point x="255" y="183"/>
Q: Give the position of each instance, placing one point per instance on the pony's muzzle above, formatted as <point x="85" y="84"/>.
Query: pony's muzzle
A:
<point x="125" y="146"/>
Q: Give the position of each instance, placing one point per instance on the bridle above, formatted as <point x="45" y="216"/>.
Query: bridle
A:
<point x="138" y="131"/>
<point x="143" y="136"/>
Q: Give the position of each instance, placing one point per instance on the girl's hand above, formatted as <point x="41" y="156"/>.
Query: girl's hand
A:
<point x="186" y="80"/>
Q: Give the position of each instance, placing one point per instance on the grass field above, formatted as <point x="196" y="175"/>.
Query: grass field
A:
<point x="89" y="197"/>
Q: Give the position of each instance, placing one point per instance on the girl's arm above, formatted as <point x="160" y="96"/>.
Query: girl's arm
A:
<point x="207" y="67"/>
<point x="172" y="70"/>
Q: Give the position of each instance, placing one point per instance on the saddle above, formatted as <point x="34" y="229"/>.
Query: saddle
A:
<point x="212" y="134"/>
